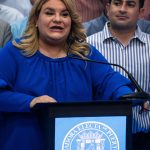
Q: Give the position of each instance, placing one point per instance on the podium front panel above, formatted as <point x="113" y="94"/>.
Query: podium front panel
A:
<point x="87" y="126"/>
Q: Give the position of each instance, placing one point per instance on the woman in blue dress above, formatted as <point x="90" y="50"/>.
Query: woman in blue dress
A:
<point x="39" y="68"/>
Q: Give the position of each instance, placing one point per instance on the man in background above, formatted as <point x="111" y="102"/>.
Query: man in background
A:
<point x="97" y="24"/>
<point x="122" y="42"/>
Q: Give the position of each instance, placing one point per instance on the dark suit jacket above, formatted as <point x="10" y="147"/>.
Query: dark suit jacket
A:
<point x="5" y="33"/>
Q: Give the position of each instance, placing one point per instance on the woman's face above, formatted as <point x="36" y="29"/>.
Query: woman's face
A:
<point x="54" y="22"/>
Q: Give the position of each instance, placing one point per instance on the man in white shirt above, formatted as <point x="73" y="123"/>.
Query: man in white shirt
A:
<point x="122" y="42"/>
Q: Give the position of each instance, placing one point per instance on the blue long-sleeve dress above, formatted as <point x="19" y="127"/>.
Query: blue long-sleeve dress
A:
<point x="65" y="79"/>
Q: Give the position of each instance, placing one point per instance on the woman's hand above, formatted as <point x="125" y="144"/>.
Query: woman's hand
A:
<point x="42" y="99"/>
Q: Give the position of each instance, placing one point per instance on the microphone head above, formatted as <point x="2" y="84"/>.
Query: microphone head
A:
<point x="137" y="98"/>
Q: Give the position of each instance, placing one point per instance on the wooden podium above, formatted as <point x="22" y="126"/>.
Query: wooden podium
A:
<point x="100" y="125"/>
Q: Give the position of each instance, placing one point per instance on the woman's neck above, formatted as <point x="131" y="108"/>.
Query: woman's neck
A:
<point x="52" y="50"/>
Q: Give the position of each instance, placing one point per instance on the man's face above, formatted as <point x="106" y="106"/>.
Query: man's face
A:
<point x="123" y="14"/>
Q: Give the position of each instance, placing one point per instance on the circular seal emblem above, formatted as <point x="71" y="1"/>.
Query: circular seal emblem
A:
<point x="91" y="135"/>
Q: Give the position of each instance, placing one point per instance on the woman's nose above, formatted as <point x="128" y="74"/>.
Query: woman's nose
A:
<point x="57" y="18"/>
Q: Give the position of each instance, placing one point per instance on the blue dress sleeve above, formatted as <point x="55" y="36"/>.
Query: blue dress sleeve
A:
<point x="108" y="84"/>
<point x="10" y="100"/>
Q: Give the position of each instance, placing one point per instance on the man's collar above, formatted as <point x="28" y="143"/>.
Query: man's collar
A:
<point x="138" y="33"/>
<point x="107" y="34"/>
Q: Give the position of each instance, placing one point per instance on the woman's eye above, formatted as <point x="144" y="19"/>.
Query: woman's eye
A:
<point x="49" y="13"/>
<point x="65" y="14"/>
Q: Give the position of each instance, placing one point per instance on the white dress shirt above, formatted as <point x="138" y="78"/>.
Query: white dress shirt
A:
<point x="135" y="57"/>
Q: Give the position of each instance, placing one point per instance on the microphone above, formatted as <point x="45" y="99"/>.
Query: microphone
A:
<point x="139" y="95"/>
